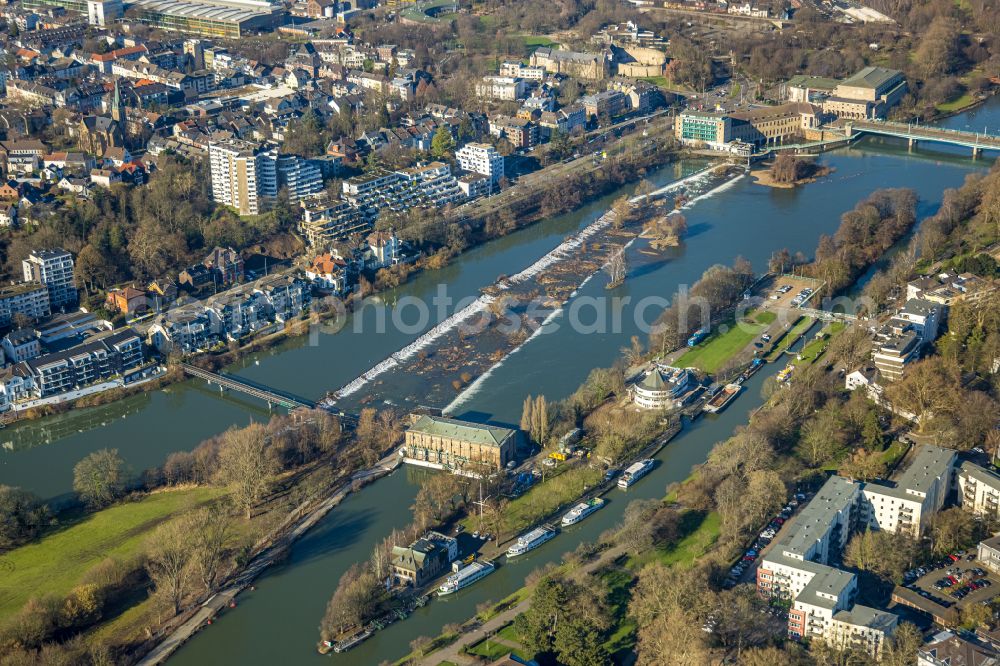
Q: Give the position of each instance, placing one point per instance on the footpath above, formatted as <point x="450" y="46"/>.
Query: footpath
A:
<point x="271" y="554"/>
<point x="454" y="654"/>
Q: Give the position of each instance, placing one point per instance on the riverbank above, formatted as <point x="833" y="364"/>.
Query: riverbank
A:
<point x="180" y="629"/>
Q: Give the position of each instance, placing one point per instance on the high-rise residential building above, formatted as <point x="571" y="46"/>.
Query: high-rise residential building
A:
<point x="243" y="175"/>
<point x="54" y="269"/>
<point x="301" y="177"/>
<point x="30" y="300"/>
<point x="104" y="12"/>
<point x="481" y="158"/>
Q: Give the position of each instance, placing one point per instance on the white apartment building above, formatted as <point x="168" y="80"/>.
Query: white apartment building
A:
<point x="242" y="175"/>
<point x="979" y="490"/>
<point x="502" y="88"/>
<point x="30" y="300"/>
<point x="798" y="567"/>
<point x="517" y="70"/>
<point x="919" y="492"/>
<point x="481" y="158"/>
<point x="299" y="176"/>
<point x="54" y="269"/>
<point x="104" y="12"/>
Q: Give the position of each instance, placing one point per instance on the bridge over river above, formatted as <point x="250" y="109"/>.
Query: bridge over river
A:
<point x="977" y="141"/>
<point x="233" y="383"/>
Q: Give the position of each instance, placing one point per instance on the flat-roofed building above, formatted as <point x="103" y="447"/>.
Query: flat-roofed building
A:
<point x="502" y="88"/>
<point x="209" y="18"/>
<point x="869" y="93"/>
<point x="917" y="493"/>
<point x="714" y="130"/>
<point x="445" y="443"/>
<point x="979" y="490"/>
<point x="28" y="299"/>
<point x="774" y="124"/>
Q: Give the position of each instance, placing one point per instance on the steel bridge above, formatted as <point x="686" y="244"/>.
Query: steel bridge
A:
<point x="977" y="141"/>
<point x="259" y="391"/>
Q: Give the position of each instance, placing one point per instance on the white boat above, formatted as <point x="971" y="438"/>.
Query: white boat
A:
<point x="581" y="511"/>
<point x="635" y="472"/>
<point x="466" y="576"/>
<point x="531" y="540"/>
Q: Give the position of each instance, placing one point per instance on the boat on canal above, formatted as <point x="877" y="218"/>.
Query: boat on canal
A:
<point x="466" y="576"/>
<point x="722" y="398"/>
<point x="635" y="472"/>
<point x="531" y="540"/>
<point x="581" y="511"/>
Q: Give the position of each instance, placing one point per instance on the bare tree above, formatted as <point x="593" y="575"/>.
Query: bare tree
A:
<point x="167" y="561"/>
<point x="245" y="466"/>
<point x="209" y="529"/>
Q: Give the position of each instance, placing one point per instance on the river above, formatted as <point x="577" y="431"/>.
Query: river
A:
<point x="278" y="622"/>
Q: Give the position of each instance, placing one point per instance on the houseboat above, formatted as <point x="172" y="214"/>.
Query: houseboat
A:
<point x="722" y="398"/>
<point x="466" y="576"/>
<point x="581" y="511"/>
<point x="531" y="540"/>
<point x="785" y="373"/>
<point x="635" y="472"/>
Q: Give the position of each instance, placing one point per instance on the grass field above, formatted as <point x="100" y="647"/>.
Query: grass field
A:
<point x="55" y="564"/>
<point x="800" y="327"/>
<point x="956" y="104"/>
<point x="544" y="498"/>
<point x="712" y="354"/>
<point x="538" y="40"/>
<point x="700" y="530"/>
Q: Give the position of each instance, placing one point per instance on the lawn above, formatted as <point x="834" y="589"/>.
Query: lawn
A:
<point x="713" y="353"/>
<point x="543" y="499"/>
<point x="660" y="81"/>
<point x="957" y="104"/>
<point x="814" y="349"/>
<point x="493" y="650"/>
<point x="55" y="564"/>
<point x="735" y="92"/>
<point x="700" y="531"/>
<point x="765" y="317"/>
<point x="793" y="334"/>
<point x="893" y="453"/>
<point x="538" y="40"/>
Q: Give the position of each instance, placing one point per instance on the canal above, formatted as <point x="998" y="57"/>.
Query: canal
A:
<point x="279" y="621"/>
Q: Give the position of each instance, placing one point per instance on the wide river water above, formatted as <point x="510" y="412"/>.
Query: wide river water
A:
<point x="278" y="622"/>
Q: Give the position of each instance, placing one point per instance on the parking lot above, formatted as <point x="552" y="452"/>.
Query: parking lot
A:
<point x="952" y="582"/>
<point x="784" y="291"/>
<point x="745" y="571"/>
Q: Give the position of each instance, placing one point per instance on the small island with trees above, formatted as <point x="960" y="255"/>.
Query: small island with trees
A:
<point x="788" y="171"/>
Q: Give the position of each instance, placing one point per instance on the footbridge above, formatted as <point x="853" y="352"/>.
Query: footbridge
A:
<point x="233" y="383"/>
<point x="976" y="141"/>
<point x="827" y="315"/>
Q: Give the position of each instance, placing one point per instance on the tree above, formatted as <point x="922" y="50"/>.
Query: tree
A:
<point x="951" y="530"/>
<point x="937" y="53"/>
<point x="209" y="530"/>
<point x="886" y="555"/>
<point x="443" y="143"/>
<point x="22" y="515"/>
<point x="357" y="599"/>
<point x="566" y="619"/>
<point x="926" y="389"/>
<point x="622" y="210"/>
<point x="245" y="466"/>
<point x="864" y="466"/>
<point x="100" y="478"/>
<point x="167" y="561"/>
<point x="902" y="649"/>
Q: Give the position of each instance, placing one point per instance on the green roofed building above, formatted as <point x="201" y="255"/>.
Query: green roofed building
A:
<point x="444" y="443"/>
